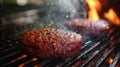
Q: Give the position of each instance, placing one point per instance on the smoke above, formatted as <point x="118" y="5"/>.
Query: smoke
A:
<point x="68" y="7"/>
<point x="59" y="11"/>
<point x="68" y="3"/>
<point x="71" y="6"/>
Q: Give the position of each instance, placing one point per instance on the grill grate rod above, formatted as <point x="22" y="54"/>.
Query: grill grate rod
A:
<point x="72" y="61"/>
<point x="116" y="59"/>
<point x="15" y="61"/>
<point x="8" y="50"/>
<point x="99" y="62"/>
<point x="108" y="44"/>
<point x="117" y="40"/>
<point x="9" y="56"/>
<point x="94" y="55"/>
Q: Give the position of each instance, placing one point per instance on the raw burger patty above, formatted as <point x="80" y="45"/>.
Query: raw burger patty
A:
<point x="51" y="43"/>
<point x="89" y="27"/>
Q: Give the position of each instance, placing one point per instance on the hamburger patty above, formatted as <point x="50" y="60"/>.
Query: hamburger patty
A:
<point x="89" y="27"/>
<point x="51" y="43"/>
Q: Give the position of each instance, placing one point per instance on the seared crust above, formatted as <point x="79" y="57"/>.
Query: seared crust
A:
<point x="89" y="27"/>
<point x="51" y="43"/>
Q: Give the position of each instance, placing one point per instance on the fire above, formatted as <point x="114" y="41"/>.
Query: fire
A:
<point x="111" y="16"/>
<point x="94" y="8"/>
<point x="110" y="60"/>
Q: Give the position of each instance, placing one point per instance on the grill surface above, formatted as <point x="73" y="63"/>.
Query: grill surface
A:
<point x="100" y="52"/>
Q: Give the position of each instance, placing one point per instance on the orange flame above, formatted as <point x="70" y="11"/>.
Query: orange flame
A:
<point x="110" y="60"/>
<point x="112" y="17"/>
<point x="94" y="8"/>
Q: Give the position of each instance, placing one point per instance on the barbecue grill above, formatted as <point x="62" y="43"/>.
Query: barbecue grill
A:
<point x="102" y="51"/>
<point x="97" y="52"/>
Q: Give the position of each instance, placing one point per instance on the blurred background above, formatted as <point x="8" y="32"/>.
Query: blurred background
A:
<point x="14" y="6"/>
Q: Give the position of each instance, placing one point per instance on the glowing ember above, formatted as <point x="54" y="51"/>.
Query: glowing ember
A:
<point x="23" y="56"/>
<point x="94" y="8"/>
<point x="34" y="59"/>
<point x="35" y="66"/>
<point x="21" y="65"/>
<point x="110" y="60"/>
<point x="112" y="17"/>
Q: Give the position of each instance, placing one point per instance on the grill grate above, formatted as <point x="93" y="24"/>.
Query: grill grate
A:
<point x="101" y="52"/>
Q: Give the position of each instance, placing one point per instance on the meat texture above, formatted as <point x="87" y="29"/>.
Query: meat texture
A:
<point x="51" y="43"/>
<point x="89" y="27"/>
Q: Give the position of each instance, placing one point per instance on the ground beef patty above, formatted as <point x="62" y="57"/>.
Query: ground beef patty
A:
<point x="51" y="43"/>
<point x="89" y="27"/>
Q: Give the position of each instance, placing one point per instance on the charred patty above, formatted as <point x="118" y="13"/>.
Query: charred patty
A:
<point x="51" y="43"/>
<point x="89" y="27"/>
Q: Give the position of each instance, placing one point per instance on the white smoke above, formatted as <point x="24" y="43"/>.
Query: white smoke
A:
<point x="59" y="11"/>
<point x="68" y="6"/>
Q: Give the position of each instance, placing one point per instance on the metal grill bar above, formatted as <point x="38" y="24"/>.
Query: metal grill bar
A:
<point x="116" y="59"/>
<point x="104" y="57"/>
<point x="8" y="57"/>
<point x="94" y="55"/>
<point x="9" y="50"/>
<point x="79" y="57"/>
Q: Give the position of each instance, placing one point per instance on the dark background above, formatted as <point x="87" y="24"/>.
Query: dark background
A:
<point x="9" y="8"/>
